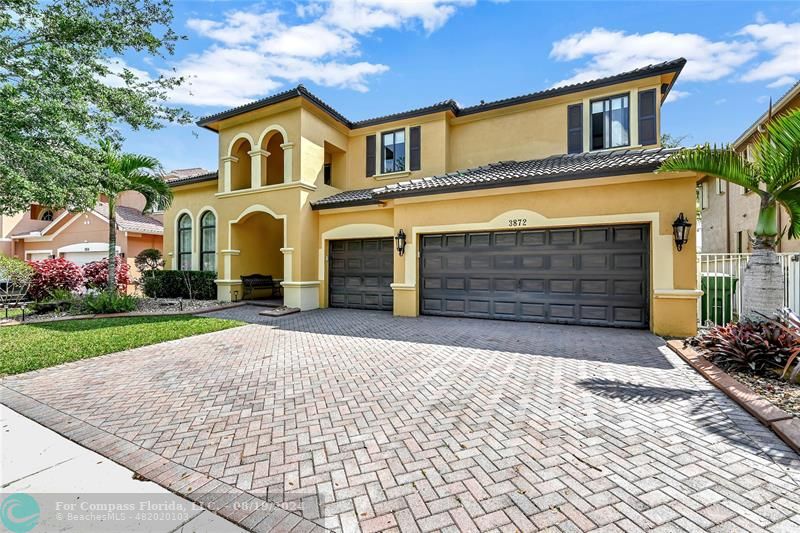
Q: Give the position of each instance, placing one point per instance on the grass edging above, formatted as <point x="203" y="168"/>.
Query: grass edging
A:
<point x="779" y="421"/>
<point x="131" y="314"/>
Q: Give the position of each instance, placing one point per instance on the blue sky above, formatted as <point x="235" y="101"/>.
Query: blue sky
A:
<point x="373" y="57"/>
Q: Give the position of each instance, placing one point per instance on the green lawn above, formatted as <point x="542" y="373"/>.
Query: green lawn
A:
<point x="31" y="346"/>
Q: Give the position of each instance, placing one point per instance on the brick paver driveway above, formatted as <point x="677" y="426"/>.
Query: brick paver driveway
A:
<point x="357" y="419"/>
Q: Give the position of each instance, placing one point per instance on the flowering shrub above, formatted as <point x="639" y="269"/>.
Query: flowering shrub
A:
<point x="96" y="274"/>
<point x="52" y="274"/>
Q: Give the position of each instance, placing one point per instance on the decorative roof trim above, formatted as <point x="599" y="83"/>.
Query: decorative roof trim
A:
<point x="175" y="182"/>
<point x="673" y="66"/>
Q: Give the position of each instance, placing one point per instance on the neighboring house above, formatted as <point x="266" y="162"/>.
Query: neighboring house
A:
<point x="41" y="233"/>
<point x="542" y="207"/>
<point x="728" y="211"/>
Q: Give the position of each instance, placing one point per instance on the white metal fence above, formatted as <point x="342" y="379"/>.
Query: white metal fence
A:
<point x="719" y="277"/>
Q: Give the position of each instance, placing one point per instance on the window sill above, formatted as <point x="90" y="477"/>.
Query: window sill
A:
<point x="392" y="175"/>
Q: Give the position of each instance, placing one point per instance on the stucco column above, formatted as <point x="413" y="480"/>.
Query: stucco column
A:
<point x="227" y="167"/>
<point x="288" y="149"/>
<point x="255" y="166"/>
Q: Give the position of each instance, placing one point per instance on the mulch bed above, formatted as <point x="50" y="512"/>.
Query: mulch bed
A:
<point x="779" y="392"/>
<point x="143" y="305"/>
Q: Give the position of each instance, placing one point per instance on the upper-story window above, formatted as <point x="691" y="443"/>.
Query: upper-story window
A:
<point x="393" y="151"/>
<point x="610" y="122"/>
<point x="46" y="215"/>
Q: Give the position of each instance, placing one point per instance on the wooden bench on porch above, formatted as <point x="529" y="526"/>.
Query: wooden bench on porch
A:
<point x="255" y="282"/>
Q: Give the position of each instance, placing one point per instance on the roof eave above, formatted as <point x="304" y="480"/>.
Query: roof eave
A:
<point x="791" y="93"/>
<point x="531" y="180"/>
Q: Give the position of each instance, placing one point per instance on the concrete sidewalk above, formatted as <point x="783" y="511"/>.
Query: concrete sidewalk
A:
<point x="43" y="464"/>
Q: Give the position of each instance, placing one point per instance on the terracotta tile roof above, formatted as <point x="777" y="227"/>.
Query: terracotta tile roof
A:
<point x="510" y="173"/>
<point x="205" y="175"/>
<point x="130" y="219"/>
<point x="675" y="65"/>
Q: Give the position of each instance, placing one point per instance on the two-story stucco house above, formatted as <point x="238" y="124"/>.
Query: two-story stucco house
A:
<point x="729" y="212"/>
<point x="543" y="207"/>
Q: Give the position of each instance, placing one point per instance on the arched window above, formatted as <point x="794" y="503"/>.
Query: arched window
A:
<point x="184" y="242"/>
<point x="208" y="233"/>
<point x="46" y="215"/>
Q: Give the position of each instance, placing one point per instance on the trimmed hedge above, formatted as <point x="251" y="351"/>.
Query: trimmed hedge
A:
<point x="173" y="284"/>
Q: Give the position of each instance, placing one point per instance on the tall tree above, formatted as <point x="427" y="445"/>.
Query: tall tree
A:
<point x="129" y="172"/>
<point x="774" y="175"/>
<point x="64" y="86"/>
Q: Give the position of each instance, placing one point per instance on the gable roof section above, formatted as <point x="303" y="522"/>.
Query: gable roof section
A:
<point x="674" y="66"/>
<point x="510" y="173"/>
<point x="776" y="108"/>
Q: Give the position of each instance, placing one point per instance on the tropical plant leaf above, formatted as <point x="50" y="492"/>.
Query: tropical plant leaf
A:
<point x="791" y="201"/>
<point x="777" y="153"/>
<point x="718" y="162"/>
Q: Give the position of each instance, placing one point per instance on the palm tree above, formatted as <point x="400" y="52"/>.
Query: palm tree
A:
<point x="129" y="172"/>
<point x="774" y="175"/>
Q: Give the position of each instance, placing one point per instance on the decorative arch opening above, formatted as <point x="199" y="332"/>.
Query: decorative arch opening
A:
<point x="272" y="171"/>
<point x="259" y="238"/>
<point x="241" y="167"/>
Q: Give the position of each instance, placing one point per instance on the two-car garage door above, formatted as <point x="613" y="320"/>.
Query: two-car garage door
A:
<point x="595" y="275"/>
<point x="586" y="275"/>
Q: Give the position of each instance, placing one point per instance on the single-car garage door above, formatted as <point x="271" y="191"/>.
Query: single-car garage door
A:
<point x="360" y="274"/>
<point x="586" y="275"/>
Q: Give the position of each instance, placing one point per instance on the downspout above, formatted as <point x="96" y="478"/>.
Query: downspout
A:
<point x="728" y="217"/>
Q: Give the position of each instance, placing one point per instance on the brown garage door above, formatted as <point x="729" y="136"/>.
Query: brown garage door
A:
<point x="360" y="274"/>
<point x="586" y="275"/>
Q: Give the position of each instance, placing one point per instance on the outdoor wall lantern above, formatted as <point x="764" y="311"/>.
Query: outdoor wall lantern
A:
<point x="680" y="230"/>
<point x="401" y="242"/>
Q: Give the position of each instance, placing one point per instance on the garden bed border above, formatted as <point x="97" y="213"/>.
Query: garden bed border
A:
<point x="127" y="315"/>
<point x="782" y="423"/>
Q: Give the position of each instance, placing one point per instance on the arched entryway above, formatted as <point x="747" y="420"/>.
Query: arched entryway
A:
<point x="258" y="236"/>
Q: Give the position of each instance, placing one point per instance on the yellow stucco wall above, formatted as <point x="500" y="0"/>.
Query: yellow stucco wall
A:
<point x="632" y="199"/>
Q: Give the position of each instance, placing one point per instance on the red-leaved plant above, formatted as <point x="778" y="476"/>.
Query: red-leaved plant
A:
<point x="96" y="274"/>
<point x="757" y="347"/>
<point x="52" y="274"/>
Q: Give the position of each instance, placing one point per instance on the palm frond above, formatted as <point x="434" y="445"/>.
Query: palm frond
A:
<point x="130" y="163"/>
<point x="791" y="201"/>
<point x="717" y="162"/>
<point x="777" y="152"/>
<point x="155" y="190"/>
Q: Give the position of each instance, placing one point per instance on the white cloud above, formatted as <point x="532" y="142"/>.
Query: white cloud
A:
<point x="675" y="94"/>
<point x="761" y="18"/>
<point x="782" y="42"/>
<point x="611" y="52"/>
<point x="783" y="81"/>
<point x="255" y="52"/>
<point x="365" y="16"/>
<point x="720" y="101"/>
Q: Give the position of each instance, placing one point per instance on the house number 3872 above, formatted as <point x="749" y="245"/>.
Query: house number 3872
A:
<point x="517" y="222"/>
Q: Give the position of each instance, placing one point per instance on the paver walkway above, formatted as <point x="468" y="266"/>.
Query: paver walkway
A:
<point x="355" y="419"/>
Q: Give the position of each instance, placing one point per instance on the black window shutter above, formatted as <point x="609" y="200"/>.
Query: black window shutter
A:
<point x="647" y="117"/>
<point x="370" y="156"/>
<point x="415" y="137"/>
<point x="575" y="128"/>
